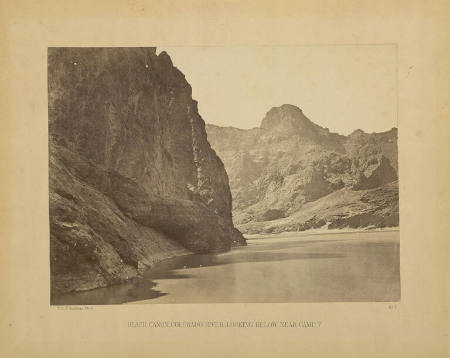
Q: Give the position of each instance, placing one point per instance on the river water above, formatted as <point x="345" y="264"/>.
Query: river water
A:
<point x="334" y="267"/>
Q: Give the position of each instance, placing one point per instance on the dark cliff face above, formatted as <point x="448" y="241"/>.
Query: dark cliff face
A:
<point x="132" y="175"/>
<point x="279" y="171"/>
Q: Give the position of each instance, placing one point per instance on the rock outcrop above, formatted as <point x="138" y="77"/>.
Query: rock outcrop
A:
<point x="132" y="176"/>
<point x="279" y="170"/>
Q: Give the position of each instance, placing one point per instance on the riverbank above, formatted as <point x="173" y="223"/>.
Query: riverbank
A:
<point x="321" y="231"/>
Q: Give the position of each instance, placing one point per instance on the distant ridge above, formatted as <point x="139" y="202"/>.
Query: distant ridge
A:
<point x="277" y="172"/>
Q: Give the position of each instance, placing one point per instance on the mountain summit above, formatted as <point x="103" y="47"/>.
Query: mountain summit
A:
<point x="286" y="116"/>
<point x="287" y="121"/>
<point x="291" y="174"/>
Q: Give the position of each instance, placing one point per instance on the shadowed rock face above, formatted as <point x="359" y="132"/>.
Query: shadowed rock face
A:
<point x="281" y="169"/>
<point x="382" y="173"/>
<point x="133" y="178"/>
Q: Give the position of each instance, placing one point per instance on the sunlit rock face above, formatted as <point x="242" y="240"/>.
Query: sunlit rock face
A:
<point x="291" y="174"/>
<point x="132" y="176"/>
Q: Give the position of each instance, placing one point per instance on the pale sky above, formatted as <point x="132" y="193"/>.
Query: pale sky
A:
<point x="339" y="87"/>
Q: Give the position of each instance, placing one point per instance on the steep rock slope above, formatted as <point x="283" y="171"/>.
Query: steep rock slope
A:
<point x="276" y="170"/>
<point x="132" y="176"/>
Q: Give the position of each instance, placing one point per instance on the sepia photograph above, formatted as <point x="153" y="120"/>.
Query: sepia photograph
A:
<point x="223" y="179"/>
<point x="265" y="174"/>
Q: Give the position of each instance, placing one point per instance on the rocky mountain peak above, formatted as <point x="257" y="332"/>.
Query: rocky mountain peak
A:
<point x="357" y="133"/>
<point x="285" y="117"/>
<point x="287" y="124"/>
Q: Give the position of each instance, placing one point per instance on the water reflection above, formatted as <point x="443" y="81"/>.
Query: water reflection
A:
<point x="145" y="288"/>
<point x="371" y="256"/>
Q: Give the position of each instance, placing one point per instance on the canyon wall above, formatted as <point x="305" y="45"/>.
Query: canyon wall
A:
<point x="132" y="177"/>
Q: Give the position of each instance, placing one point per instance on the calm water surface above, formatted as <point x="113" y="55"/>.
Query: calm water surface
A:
<point x="308" y="268"/>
